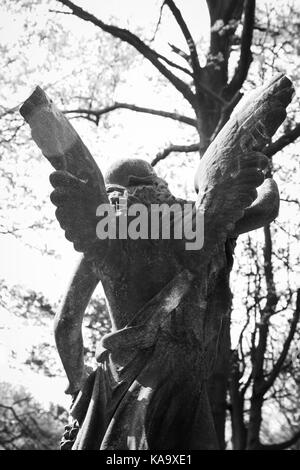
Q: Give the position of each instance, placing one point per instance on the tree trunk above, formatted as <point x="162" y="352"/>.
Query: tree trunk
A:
<point x="219" y="380"/>
<point x="253" y="442"/>
<point x="239" y="431"/>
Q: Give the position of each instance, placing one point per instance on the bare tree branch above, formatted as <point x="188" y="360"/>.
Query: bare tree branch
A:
<point x="258" y="351"/>
<point x="271" y="301"/>
<point x="159" y="21"/>
<point x="172" y="64"/>
<point x="7" y="111"/>
<point x="245" y="60"/>
<point x="137" y="43"/>
<point x="283" y="141"/>
<point x="140" y="109"/>
<point x="190" y="42"/>
<point x="280" y="361"/>
<point x="175" y="148"/>
<point x="291" y="201"/>
<point x="181" y="53"/>
<point x="237" y="405"/>
<point x="60" y="12"/>
<point x="281" y="445"/>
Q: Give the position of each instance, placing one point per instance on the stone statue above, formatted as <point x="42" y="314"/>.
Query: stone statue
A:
<point x="149" y="390"/>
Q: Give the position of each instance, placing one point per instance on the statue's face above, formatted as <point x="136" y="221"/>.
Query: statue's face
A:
<point x="146" y="194"/>
<point x="114" y="193"/>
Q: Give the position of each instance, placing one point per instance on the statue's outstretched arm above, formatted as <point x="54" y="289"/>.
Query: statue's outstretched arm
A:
<point x="68" y="323"/>
<point x="232" y="168"/>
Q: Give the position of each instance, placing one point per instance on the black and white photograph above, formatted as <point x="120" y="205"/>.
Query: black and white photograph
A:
<point x="150" y="227"/>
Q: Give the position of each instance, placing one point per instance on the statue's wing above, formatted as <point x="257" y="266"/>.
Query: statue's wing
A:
<point x="78" y="182"/>
<point x="262" y="211"/>
<point x="231" y="169"/>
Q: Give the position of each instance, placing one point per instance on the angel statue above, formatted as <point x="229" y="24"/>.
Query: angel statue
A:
<point x="166" y="302"/>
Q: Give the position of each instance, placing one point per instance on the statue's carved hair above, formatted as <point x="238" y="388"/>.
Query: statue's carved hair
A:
<point x="156" y="193"/>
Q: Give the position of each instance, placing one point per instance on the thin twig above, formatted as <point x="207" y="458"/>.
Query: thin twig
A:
<point x="175" y="148"/>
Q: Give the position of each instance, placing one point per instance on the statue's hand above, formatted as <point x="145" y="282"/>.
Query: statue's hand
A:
<point x="76" y="209"/>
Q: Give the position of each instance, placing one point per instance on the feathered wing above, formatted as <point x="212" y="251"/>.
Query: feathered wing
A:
<point x="78" y="182"/>
<point x="231" y="169"/>
<point x="76" y="202"/>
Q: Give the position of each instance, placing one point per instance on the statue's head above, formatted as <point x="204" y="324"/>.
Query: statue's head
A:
<point x="137" y="179"/>
<point x="129" y="172"/>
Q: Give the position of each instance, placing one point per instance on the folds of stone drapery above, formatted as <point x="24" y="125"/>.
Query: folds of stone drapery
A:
<point x="149" y="390"/>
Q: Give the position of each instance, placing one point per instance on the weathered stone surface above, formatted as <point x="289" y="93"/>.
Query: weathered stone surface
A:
<point x="58" y="140"/>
